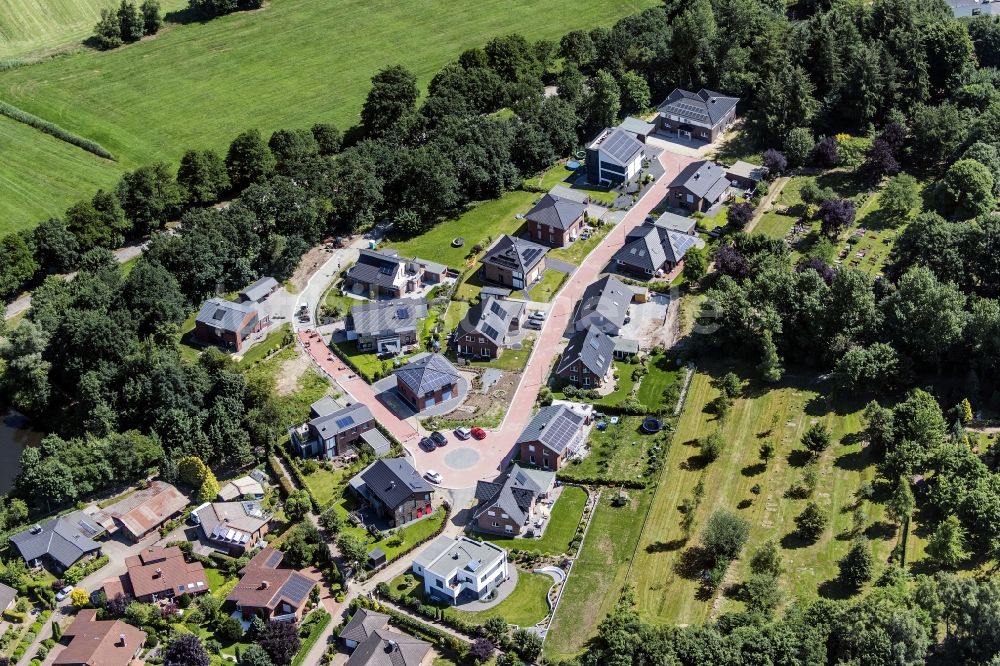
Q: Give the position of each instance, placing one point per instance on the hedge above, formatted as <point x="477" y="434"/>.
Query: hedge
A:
<point x="52" y="129"/>
<point x="286" y="485"/>
<point x="316" y="622"/>
<point x="78" y="572"/>
<point x="15" y="616"/>
<point x="413" y="626"/>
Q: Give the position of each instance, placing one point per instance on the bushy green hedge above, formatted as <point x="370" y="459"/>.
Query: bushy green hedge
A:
<point x="52" y="129"/>
<point x="79" y="571"/>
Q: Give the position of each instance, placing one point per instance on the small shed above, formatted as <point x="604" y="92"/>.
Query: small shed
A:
<point x="640" y="294"/>
<point x="379" y="445"/>
<point x="376" y="558"/>
<point x="259" y="290"/>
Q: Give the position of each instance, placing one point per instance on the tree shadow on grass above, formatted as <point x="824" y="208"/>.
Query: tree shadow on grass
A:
<point x="666" y="546"/>
<point x="692" y="442"/>
<point x="753" y="470"/>
<point x="882" y="530"/>
<point x="692" y="563"/>
<point x="835" y="589"/>
<point x="799" y="458"/>
<point x="694" y="463"/>
<point x="186" y="16"/>
<point x="794" y="541"/>
<point x="852" y="462"/>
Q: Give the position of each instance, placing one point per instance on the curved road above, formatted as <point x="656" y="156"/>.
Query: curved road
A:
<point x="463" y="463"/>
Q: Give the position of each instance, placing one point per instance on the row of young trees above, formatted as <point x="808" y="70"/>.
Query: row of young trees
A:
<point x="129" y="23"/>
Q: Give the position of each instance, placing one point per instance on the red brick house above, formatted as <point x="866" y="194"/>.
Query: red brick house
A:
<point x="228" y="324"/>
<point x="587" y="359"/>
<point x="270" y="592"/>
<point x="483" y="331"/>
<point x="550" y="437"/>
<point x="395" y="490"/>
<point x="158" y="573"/>
<point x="555" y="221"/>
<point x="509" y="504"/>
<point x="514" y="262"/>
<point x="427" y="380"/>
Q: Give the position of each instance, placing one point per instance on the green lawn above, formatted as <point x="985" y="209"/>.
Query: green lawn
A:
<point x="30" y="26"/>
<point x="579" y="249"/>
<point x="456" y="313"/>
<point x="617" y="454"/>
<point x="566" y="515"/>
<point x="662" y="372"/>
<point x="311" y="386"/>
<point x="336" y="299"/>
<point x="511" y="360"/>
<point x="368" y="364"/>
<point x="547" y="287"/>
<point x="616" y="397"/>
<point x="327" y="485"/>
<point x="598" y="575"/>
<point x="778" y="414"/>
<point x="558" y="174"/>
<point x="277" y="338"/>
<point x="187" y="88"/>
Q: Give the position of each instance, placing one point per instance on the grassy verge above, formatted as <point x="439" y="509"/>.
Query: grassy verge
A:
<point x="546" y="288"/>
<point x="558" y="174"/>
<point x="579" y="249"/>
<point x="275" y="340"/>
<point x="566" y="515"/>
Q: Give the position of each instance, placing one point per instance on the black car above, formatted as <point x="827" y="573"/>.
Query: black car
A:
<point x="427" y="444"/>
<point x="438" y="438"/>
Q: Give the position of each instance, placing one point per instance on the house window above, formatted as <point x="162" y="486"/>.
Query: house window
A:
<point x="496" y="524"/>
<point x="545" y="462"/>
<point x="531" y="459"/>
<point x="468" y="338"/>
<point x="690" y="198"/>
<point x="508" y="528"/>
<point x="649" y="271"/>
<point x="531" y="448"/>
<point x="491" y="513"/>
<point x="438" y="582"/>
<point x="572" y="378"/>
<point x="539" y="233"/>
<point x="586" y="380"/>
<point x="482" y="341"/>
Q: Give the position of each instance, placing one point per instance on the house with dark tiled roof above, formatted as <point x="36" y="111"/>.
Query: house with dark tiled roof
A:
<point x="386" y="327"/>
<point x="509" y="504"/>
<point x="702" y="116"/>
<point x="614" y="156"/>
<point x="60" y="542"/>
<point x="604" y="304"/>
<point x="699" y="186"/>
<point x="552" y="436"/>
<point x="158" y="573"/>
<point x="484" y="331"/>
<point x="514" y="262"/>
<point x="555" y="221"/>
<point x="269" y="591"/>
<point x="372" y="643"/>
<point x="587" y="360"/>
<point x="93" y="642"/>
<point x="384" y="274"/>
<point x="395" y="490"/>
<point x="427" y="380"/>
<point x="651" y="250"/>
<point x="228" y="324"/>
<point x="334" y="429"/>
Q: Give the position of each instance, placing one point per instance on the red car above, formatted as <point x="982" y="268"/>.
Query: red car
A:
<point x="478" y="433"/>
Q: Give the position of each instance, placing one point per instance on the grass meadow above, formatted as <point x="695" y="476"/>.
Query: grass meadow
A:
<point x="294" y="63"/>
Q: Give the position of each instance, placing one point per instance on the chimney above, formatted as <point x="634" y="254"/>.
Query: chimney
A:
<point x="159" y="572"/>
<point x="121" y="639"/>
<point x="264" y="584"/>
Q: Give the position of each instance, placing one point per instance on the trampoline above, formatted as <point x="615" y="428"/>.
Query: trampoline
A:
<point x="572" y="165"/>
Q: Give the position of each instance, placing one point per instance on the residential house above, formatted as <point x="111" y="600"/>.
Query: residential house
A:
<point x="614" y="156"/>
<point x="94" y="642"/>
<point x="143" y="511"/>
<point x="395" y="491"/>
<point x="60" y="542"/>
<point x="587" y="360"/>
<point x="605" y="305"/>
<point x="229" y="324"/>
<point x="651" y="250"/>
<point x="638" y="128"/>
<point x="232" y="527"/>
<point x="514" y="262"/>
<point x="7" y="597"/>
<point x="702" y="116"/>
<point x="699" y="186"/>
<point x="386" y="327"/>
<point x="455" y="568"/>
<point x="969" y="8"/>
<point x="509" y="504"/>
<point x="268" y="591"/>
<point x="553" y="435"/>
<point x="427" y="380"/>
<point x="158" y="573"/>
<point x="674" y="222"/>
<point x="555" y="221"/>
<point x="245" y="487"/>
<point x="486" y="327"/>
<point x="259" y="290"/>
<point x="333" y="431"/>
<point x="745" y="176"/>
<point x="372" y="643"/>
<point x="384" y="274"/>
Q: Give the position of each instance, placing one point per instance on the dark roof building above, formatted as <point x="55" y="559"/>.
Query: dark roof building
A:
<point x="703" y="115"/>
<point x="514" y="262"/>
<point x="427" y="380"/>
<point x="334" y="432"/>
<point x="649" y="249"/>
<point x="375" y="644"/>
<point x="556" y="221"/>
<point x="699" y="186"/>
<point x="383" y="273"/>
<point x="395" y="490"/>
<point x="60" y="542"/>
<point x="386" y="326"/>
<point x="259" y="290"/>
<point x="605" y="304"/>
<point x="507" y="504"/>
<point x="587" y="359"/>
<point x="268" y="590"/>
<point x="557" y="427"/>
<point x="614" y="156"/>
<point x="228" y="324"/>
<point x="483" y="331"/>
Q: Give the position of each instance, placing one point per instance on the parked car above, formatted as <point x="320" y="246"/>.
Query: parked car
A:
<point x="438" y="438"/>
<point x="533" y="323"/>
<point x="537" y="314"/>
<point x="427" y="444"/>
<point x="433" y="477"/>
<point x="63" y="593"/>
<point x="478" y="433"/>
<point x="463" y="433"/>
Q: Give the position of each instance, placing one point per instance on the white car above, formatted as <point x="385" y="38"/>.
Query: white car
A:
<point x="434" y="477"/>
<point x="63" y="593"/>
<point x="537" y="314"/>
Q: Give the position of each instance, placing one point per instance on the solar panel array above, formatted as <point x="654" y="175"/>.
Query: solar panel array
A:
<point x="621" y="146"/>
<point x="560" y="431"/>
<point x="297" y="588"/>
<point x="689" y="110"/>
<point x="530" y="254"/>
<point x="345" y="421"/>
<point x="493" y="333"/>
<point x="496" y="309"/>
<point x="273" y="559"/>
<point x="403" y="313"/>
<point x="385" y="269"/>
<point x="682" y="242"/>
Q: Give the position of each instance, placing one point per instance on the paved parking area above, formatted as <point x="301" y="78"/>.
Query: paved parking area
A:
<point x="647" y="320"/>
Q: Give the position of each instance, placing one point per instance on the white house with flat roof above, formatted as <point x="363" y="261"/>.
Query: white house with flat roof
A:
<point x="457" y="567"/>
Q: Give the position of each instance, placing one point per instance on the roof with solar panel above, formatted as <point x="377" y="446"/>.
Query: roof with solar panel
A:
<point x="515" y="254"/>
<point x="590" y="346"/>
<point x="387" y="317"/>
<point x="334" y="423"/>
<point x="555" y="426"/>
<point x="617" y="146"/>
<point x="427" y="373"/>
<point x="705" y="107"/>
<point x="491" y="318"/>
<point x="650" y="247"/>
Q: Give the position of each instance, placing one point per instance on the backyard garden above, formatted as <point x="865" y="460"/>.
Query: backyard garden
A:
<point x="561" y="530"/>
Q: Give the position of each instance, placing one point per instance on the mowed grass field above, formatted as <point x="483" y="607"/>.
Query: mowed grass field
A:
<point x="30" y="26"/>
<point x="292" y="64"/>
<point x="779" y="414"/>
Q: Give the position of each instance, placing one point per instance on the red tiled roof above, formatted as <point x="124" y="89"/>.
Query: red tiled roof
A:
<point x="158" y="570"/>
<point x="100" y="642"/>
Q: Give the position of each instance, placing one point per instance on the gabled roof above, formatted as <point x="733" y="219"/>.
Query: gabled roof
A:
<point x="342" y="420"/>
<point x="378" y="267"/>
<point x="232" y="522"/>
<point x="393" y="480"/>
<point x="148" y="508"/>
<point x="158" y="570"/>
<point x="491" y="318"/>
<point x="65" y="539"/>
<point x="389" y="648"/>
<point x="703" y="107"/>
<point x="226" y="315"/>
<point x="265" y="586"/>
<point x="649" y="247"/>
<point x="427" y="373"/>
<point x="515" y="254"/>
<point x="704" y="179"/>
<point x="608" y="297"/>
<point x="746" y="170"/>
<point x="237" y="488"/>
<point x="684" y="225"/>
<point x="99" y="642"/>
<point x="259" y="289"/>
<point x="558" y="213"/>
<point x="554" y="426"/>
<point x="363" y="624"/>
<point x="513" y="492"/>
<point x="7" y="595"/>
<point x="617" y="146"/>
<point x="590" y="346"/>
<point x="387" y="317"/>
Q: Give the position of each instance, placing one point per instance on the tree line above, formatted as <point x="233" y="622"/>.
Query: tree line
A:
<point x="129" y="23"/>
